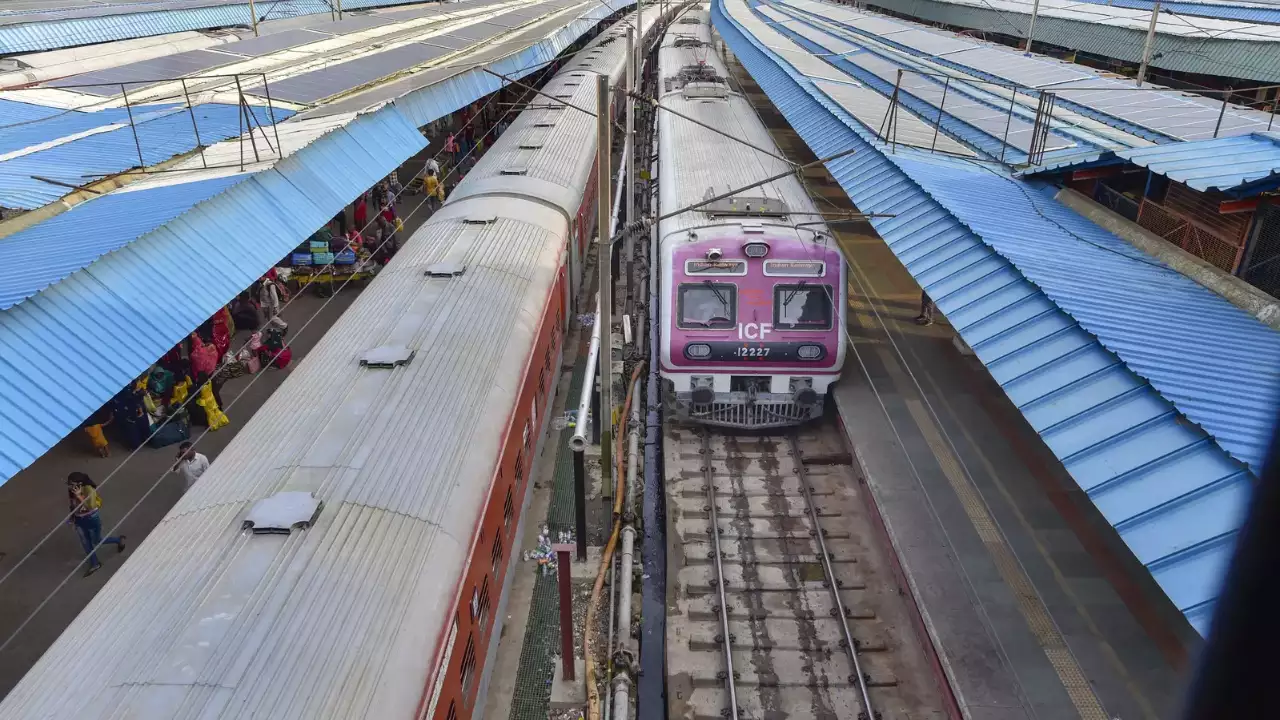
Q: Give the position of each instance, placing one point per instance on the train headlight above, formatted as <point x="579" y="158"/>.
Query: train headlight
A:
<point x="697" y="351"/>
<point x="755" y="249"/>
<point x="810" y="352"/>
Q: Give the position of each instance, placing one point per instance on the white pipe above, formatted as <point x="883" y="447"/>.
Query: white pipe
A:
<point x="1150" y="44"/>
<point x="1031" y="29"/>
<point x="578" y="442"/>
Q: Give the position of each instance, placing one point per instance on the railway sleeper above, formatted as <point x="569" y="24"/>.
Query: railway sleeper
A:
<point x="781" y="605"/>
<point x="707" y="636"/>
<point x="808" y="577"/>
<point x="789" y="550"/>
<point x="784" y="703"/>
<point x="697" y="530"/>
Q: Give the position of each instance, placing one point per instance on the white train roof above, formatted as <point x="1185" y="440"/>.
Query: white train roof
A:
<point x="697" y="163"/>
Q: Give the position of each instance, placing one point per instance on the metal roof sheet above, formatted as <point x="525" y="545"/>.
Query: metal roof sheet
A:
<point x="23" y="129"/>
<point x="50" y="251"/>
<point x="1224" y="164"/>
<point x="1193" y="51"/>
<point x="1167" y="114"/>
<point x="1173" y="494"/>
<point x="68" y="27"/>
<point x="1216" y="363"/>
<point x="1222" y="11"/>
<point x="166" y="134"/>
<point x="72" y="346"/>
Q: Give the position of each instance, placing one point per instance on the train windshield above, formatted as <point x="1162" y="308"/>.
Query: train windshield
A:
<point x="707" y="305"/>
<point x="802" y="307"/>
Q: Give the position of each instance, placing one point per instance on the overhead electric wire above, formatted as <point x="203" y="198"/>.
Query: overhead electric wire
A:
<point x="191" y="396"/>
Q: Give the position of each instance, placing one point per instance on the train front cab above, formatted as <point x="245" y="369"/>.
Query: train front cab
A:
<point x="755" y="329"/>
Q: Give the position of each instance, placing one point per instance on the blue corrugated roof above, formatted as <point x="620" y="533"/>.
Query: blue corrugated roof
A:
<point x="976" y="240"/>
<point x="1226" y="164"/>
<point x="53" y="33"/>
<point x="28" y="125"/>
<point x="161" y="133"/>
<point x="72" y="346"/>
<point x="1241" y="165"/>
<point x="1216" y="363"/>
<point x="46" y="253"/>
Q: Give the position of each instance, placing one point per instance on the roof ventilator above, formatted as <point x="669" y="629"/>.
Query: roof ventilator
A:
<point x="281" y="513"/>
<point x="514" y="171"/>
<point x="453" y="268"/>
<point x="688" y="41"/>
<point x="687" y="20"/>
<point x="387" y="357"/>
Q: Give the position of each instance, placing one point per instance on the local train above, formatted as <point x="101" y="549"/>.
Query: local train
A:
<point x="752" y="283"/>
<point x="348" y="554"/>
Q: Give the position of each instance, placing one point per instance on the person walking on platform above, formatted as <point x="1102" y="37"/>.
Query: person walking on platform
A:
<point x="191" y="464"/>
<point x="269" y="298"/>
<point x="82" y="494"/>
<point x="927" y="309"/>
<point x="435" y="191"/>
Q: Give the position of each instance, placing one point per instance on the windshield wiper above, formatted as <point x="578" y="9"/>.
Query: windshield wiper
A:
<point x="787" y="300"/>
<point x="724" y="303"/>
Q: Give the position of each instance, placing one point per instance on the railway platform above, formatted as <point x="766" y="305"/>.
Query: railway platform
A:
<point x="1032" y="605"/>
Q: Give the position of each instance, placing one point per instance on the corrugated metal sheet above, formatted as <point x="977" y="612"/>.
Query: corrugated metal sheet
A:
<point x="1222" y="11"/>
<point x="21" y="127"/>
<point x="1224" y="164"/>
<point x="160" y="134"/>
<point x="1217" y="364"/>
<point x="1173" y="494"/>
<point x="1241" y="166"/>
<point x="71" y="347"/>
<point x="50" y="30"/>
<point x="1158" y="116"/>
<point x="1210" y="56"/>
<point x="42" y="255"/>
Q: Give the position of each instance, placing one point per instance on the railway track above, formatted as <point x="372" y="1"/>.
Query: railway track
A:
<point x="793" y="575"/>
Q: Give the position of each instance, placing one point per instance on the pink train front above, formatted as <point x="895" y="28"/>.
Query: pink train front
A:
<point x="752" y="285"/>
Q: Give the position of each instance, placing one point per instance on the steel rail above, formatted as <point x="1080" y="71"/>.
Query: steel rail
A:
<point x="716" y="555"/>
<point x="849" y="644"/>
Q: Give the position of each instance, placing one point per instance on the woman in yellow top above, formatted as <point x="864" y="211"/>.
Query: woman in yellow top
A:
<point x="434" y="189"/>
<point x="82" y="494"/>
<point x="98" y="437"/>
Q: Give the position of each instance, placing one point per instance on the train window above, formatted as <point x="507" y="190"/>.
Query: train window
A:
<point x="467" y="669"/>
<point x="509" y="507"/>
<point x="497" y="552"/>
<point x="707" y="305"/>
<point x="484" y="604"/>
<point x="453" y="711"/>
<point x="802" y="307"/>
<point x="475" y="604"/>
